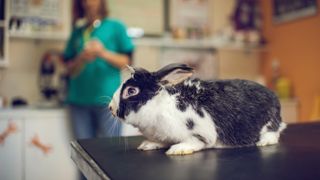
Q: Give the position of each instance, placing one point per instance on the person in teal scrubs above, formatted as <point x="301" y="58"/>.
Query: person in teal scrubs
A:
<point x="95" y="53"/>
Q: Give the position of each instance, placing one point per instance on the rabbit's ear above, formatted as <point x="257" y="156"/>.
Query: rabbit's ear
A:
<point x="173" y="74"/>
<point x="131" y="69"/>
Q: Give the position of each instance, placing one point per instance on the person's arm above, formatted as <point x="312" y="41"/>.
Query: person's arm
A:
<point x="123" y="56"/>
<point x="118" y="60"/>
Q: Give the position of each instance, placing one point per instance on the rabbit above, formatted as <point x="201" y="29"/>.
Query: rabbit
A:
<point x="174" y="110"/>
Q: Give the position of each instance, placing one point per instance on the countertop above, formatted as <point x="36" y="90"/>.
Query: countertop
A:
<point x="297" y="156"/>
<point x="17" y="112"/>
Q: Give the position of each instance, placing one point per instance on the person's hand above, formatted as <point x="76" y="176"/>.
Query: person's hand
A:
<point x="76" y="66"/>
<point x="86" y="55"/>
<point x="95" y="47"/>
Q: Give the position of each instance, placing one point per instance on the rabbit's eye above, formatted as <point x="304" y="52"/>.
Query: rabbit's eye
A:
<point x="130" y="91"/>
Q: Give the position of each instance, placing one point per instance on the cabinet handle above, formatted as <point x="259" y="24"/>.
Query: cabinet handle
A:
<point x="11" y="129"/>
<point x="35" y="141"/>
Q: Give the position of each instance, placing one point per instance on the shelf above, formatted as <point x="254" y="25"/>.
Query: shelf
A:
<point x="197" y="44"/>
<point x="39" y="36"/>
<point x="168" y="42"/>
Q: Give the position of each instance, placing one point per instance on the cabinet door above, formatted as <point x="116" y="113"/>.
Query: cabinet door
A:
<point x="11" y="149"/>
<point x="47" y="149"/>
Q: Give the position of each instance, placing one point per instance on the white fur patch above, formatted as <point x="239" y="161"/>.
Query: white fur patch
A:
<point x="195" y="84"/>
<point x="161" y="121"/>
<point x="270" y="137"/>
<point x="149" y="145"/>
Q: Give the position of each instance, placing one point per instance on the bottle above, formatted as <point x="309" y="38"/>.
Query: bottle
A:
<point x="283" y="88"/>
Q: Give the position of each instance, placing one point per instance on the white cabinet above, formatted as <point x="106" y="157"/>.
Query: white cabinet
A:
<point x="47" y="147"/>
<point x="11" y="157"/>
<point x="39" y="149"/>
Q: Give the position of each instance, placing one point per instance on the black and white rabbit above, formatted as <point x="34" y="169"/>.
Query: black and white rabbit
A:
<point x="186" y="114"/>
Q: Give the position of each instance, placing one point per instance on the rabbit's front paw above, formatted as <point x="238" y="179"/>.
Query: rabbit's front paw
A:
<point x="149" y="145"/>
<point x="181" y="149"/>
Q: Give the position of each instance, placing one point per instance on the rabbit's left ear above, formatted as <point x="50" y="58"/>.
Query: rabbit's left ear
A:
<point x="131" y="69"/>
<point x="173" y="74"/>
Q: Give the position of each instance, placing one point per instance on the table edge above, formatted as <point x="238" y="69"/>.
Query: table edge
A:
<point x="85" y="164"/>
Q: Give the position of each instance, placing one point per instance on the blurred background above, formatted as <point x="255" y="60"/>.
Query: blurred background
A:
<point x="275" y="43"/>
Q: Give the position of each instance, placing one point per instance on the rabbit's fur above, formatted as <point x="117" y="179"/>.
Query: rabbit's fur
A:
<point x="187" y="114"/>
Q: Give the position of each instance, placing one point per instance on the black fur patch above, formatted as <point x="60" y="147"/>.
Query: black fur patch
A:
<point x="200" y="112"/>
<point x="148" y="88"/>
<point x="200" y="138"/>
<point x="171" y="67"/>
<point x="190" y="124"/>
<point x="239" y="108"/>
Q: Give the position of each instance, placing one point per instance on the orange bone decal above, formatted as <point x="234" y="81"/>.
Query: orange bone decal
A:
<point x="12" y="128"/>
<point x="36" y="142"/>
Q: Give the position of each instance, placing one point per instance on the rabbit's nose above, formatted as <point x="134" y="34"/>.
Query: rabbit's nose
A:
<point x="110" y="108"/>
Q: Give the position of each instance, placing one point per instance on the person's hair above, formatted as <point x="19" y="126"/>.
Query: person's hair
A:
<point x="80" y="12"/>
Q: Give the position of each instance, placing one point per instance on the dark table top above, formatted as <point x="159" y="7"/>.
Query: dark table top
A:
<point x="297" y="156"/>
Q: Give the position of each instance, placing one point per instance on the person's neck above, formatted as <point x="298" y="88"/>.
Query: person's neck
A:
<point x="93" y="18"/>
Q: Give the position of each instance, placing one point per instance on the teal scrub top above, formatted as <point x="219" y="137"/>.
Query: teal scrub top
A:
<point x="98" y="80"/>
